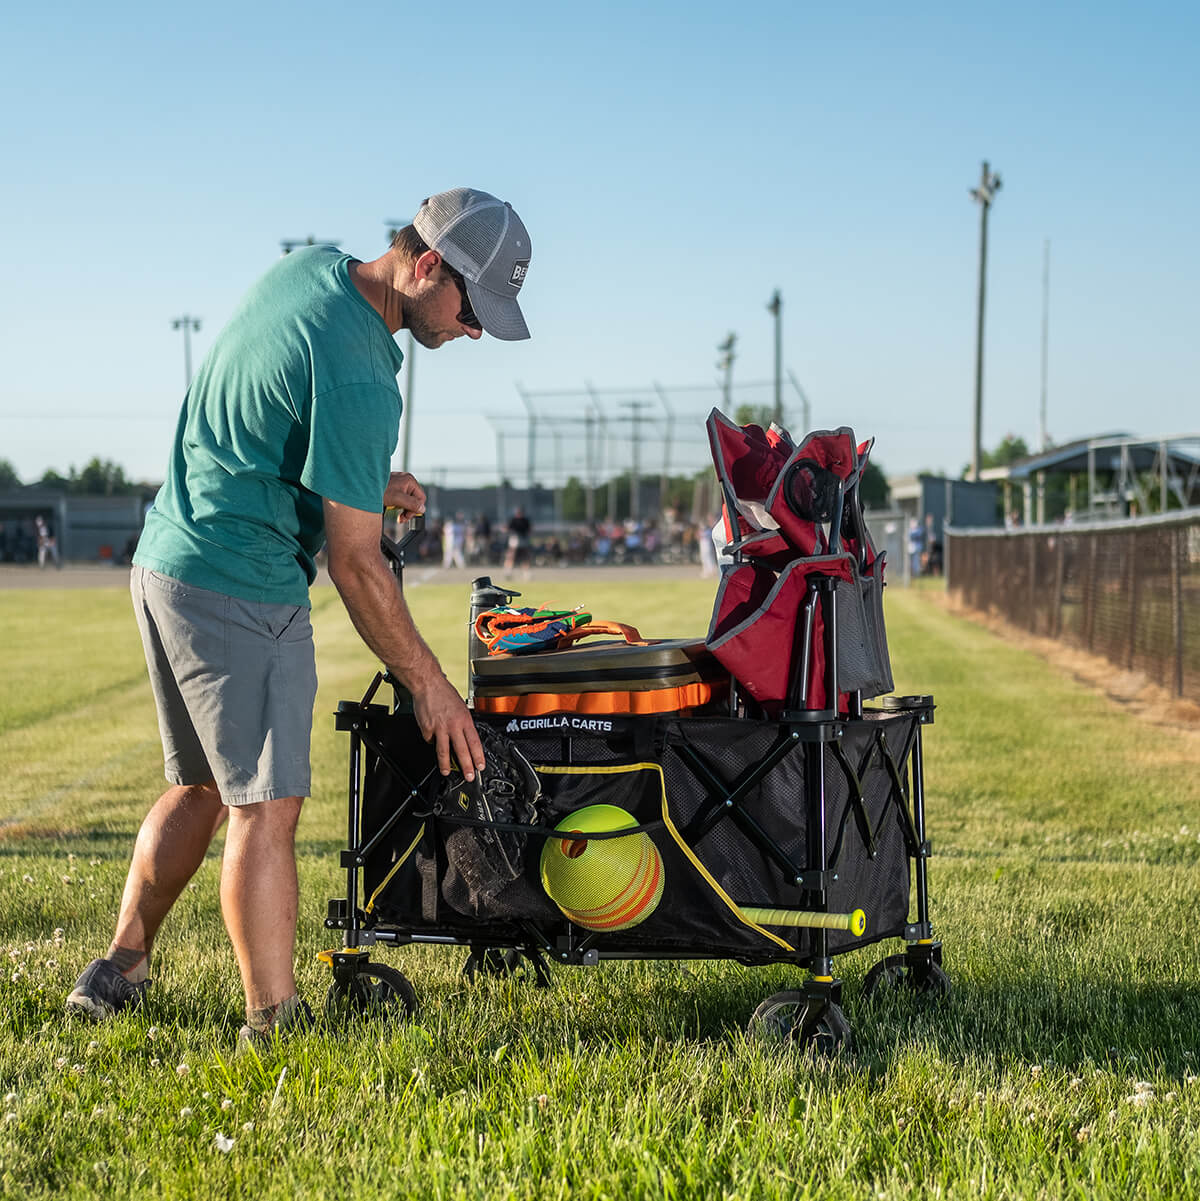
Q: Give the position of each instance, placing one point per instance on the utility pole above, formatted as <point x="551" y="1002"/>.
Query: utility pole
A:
<point x="187" y="324"/>
<point x="1044" y="434"/>
<point x="775" y="308"/>
<point x="664" y="482"/>
<point x="805" y="407"/>
<point x="989" y="185"/>
<point x="532" y="440"/>
<point x="635" y="408"/>
<point x="725" y="365"/>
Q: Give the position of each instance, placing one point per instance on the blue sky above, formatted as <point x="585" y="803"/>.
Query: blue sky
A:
<point x="675" y="163"/>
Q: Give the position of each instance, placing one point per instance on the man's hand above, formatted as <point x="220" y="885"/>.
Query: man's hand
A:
<point x="404" y="493"/>
<point x="445" y="721"/>
<point x="377" y="608"/>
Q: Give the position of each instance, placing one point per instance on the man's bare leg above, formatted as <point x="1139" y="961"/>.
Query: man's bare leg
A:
<point x="259" y="898"/>
<point x="171" y="845"/>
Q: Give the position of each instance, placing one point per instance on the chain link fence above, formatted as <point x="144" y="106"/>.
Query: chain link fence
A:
<point x="1128" y="591"/>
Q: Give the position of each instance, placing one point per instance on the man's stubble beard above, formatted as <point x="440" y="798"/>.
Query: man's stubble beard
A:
<point x="417" y="322"/>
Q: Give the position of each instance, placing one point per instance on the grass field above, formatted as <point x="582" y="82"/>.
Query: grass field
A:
<point x="1065" y="885"/>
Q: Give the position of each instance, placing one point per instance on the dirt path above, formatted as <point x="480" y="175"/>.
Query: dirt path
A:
<point x="1133" y="691"/>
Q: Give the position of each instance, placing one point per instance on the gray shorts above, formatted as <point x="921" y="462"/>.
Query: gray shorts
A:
<point x="234" y="682"/>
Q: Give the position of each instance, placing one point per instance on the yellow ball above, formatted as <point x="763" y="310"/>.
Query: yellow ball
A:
<point x="602" y="883"/>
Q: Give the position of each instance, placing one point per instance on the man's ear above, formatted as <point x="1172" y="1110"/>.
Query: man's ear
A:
<point x="426" y="265"/>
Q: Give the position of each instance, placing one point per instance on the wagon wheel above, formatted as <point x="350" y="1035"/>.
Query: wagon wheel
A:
<point x="491" y="961"/>
<point x="899" y="972"/>
<point x="793" y="1017"/>
<point x="371" y="990"/>
<point x="506" y="961"/>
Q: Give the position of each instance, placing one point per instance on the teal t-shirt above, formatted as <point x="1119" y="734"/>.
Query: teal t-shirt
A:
<point x="295" y="402"/>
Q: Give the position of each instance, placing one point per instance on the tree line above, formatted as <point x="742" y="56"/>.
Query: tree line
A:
<point x="99" y="477"/>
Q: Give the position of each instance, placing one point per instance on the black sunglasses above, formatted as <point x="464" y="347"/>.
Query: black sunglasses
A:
<point x="466" y="314"/>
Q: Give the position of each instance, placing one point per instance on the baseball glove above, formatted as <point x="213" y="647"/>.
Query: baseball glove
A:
<point x="506" y="791"/>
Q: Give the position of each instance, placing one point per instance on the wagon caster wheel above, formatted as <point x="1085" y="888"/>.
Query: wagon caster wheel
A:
<point x="371" y="991"/>
<point x="792" y="1017"/>
<point x="492" y="961"/>
<point x="504" y="962"/>
<point x="898" y="972"/>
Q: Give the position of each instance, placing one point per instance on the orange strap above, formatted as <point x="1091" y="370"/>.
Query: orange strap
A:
<point x="675" y="699"/>
<point x="629" y="633"/>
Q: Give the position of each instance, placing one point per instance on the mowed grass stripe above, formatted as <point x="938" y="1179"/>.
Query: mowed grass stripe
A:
<point x="1063" y="893"/>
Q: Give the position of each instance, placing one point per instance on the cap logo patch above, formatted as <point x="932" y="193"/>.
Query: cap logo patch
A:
<point x="518" y="272"/>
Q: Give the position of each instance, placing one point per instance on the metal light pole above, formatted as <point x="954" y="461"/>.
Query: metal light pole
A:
<point x="805" y="406"/>
<point x="410" y="366"/>
<point x="187" y="324"/>
<point x="1042" y="431"/>
<point x="989" y="185"/>
<point x="775" y="308"/>
<point x="725" y="365"/>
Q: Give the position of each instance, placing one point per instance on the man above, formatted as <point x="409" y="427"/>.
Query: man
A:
<point x="519" y="547"/>
<point x="284" y="442"/>
<point x="47" y="543"/>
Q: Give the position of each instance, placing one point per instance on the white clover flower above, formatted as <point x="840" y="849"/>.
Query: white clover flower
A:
<point x="78" y="1069"/>
<point x="100" y="1168"/>
<point x="224" y="1145"/>
<point x="152" y="1033"/>
<point x="11" y="1098"/>
<point x="226" y="1103"/>
<point x="247" y="1126"/>
<point x="1141" y="1100"/>
<point x="185" y="1112"/>
<point x="1036" y="1070"/>
<point x="155" y="1062"/>
<point x="93" y="1046"/>
<point x="61" y="1062"/>
<point x="1143" y="1086"/>
<point x="1171" y="1097"/>
<point x="94" y="862"/>
<point x="10" y="1117"/>
<point x="59" y="935"/>
<point x="28" y="878"/>
<point x="182" y="1070"/>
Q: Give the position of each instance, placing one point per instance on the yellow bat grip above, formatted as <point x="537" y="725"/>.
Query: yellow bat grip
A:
<point x="855" y="922"/>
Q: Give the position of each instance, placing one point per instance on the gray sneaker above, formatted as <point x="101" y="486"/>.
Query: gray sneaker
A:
<point x="102" y="992"/>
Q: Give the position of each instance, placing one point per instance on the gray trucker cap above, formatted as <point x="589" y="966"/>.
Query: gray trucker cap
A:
<point x="487" y="243"/>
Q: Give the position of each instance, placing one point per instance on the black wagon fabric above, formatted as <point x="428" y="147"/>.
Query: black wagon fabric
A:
<point x="674" y="775"/>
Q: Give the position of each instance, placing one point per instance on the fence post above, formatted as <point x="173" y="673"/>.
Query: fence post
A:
<point x="1131" y="590"/>
<point x="1089" y="613"/>
<point x="1033" y="590"/>
<point x="1177" y="541"/>
<point x="1056" y="615"/>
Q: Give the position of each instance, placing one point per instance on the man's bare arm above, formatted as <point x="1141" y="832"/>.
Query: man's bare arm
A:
<point x="380" y="614"/>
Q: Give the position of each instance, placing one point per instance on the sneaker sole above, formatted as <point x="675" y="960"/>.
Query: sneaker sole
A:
<point x="89" y="1007"/>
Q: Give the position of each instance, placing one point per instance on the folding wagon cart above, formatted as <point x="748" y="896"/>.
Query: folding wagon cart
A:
<point x="780" y="817"/>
